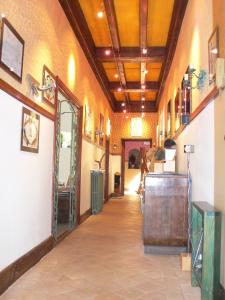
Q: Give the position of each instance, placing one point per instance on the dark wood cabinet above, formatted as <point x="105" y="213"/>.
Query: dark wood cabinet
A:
<point x="165" y="213"/>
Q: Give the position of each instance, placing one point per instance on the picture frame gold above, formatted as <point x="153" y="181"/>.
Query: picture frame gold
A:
<point x="213" y="54"/>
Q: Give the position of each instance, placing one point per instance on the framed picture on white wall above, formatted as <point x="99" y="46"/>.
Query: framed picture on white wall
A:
<point x="213" y="53"/>
<point x="30" y="131"/>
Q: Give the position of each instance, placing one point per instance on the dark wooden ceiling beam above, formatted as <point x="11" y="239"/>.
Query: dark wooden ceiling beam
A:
<point x="174" y="31"/>
<point x="79" y="25"/>
<point x="114" y="34"/>
<point x="143" y="34"/>
<point x="131" y="54"/>
<point x="135" y="106"/>
<point x="135" y="86"/>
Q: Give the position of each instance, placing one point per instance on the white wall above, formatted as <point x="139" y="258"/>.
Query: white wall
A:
<point x="114" y="166"/>
<point x="90" y="153"/>
<point x="25" y="184"/>
<point x="200" y="133"/>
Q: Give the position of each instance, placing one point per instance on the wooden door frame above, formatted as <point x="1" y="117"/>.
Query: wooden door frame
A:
<point x="123" y="141"/>
<point x="60" y="86"/>
<point x="106" y="184"/>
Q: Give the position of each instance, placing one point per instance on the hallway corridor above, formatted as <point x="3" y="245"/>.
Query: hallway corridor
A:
<point x="104" y="260"/>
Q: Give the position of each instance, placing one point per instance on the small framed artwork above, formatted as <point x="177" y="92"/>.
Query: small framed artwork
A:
<point x="48" y="79"/>
<point x="11" y="50"/>
<point x="87" y="122"/>
<point x="30" y="131"/>
<point x="101" y="130"/>
<point x="213" y="53"/>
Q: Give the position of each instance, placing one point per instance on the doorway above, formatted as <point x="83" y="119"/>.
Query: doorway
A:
<point x="131" y="163"/>
<point x="67" y="162"/>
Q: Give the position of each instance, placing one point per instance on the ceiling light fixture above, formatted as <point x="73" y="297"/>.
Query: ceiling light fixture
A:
<point x="143" y="98"/>
<point x="123" y="104"/>
<point x="100" y="14"/>
<point x="124" y="111"/>
<point x="116" y="75"/>
<point x="142" y="106"/>
<point x="119" y="89"/>
<point x="107" y="52"/>
<point x="143" y="87"/>
<point x="144" y="51"/>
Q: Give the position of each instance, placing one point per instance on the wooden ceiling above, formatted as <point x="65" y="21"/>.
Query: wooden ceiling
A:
<point x="114" y="46"/>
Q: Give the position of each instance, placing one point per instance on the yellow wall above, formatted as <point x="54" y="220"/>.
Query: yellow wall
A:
<point x="192" y="48"/>
<point x="121" y="128"/>
<point x="50" y="40"/>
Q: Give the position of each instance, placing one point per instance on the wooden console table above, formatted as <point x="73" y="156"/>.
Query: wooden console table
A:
<point x="165" y="213"/>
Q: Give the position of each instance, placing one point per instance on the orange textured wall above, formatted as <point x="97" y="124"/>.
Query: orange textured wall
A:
<point x="121" y="128"/>
<point x="50" y="40"/>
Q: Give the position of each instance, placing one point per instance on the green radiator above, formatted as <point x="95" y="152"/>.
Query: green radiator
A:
<point x="206" y="242"/>
<point x="96" y="191"/>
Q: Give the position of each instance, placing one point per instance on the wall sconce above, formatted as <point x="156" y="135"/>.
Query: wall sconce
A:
<point x="201" y="78"/>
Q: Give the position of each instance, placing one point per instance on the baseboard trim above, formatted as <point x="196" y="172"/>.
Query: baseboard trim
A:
<point x="85" y="215"/>
<point x="11" y="273"/>
<point x="222" y="293"/>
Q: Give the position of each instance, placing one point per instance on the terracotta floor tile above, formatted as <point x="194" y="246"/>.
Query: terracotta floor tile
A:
<point x="104" y="260"/>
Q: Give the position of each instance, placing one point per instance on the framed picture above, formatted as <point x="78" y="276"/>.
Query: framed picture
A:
<point x="30" y="131"/>
<point x="11" y="50"/>
<point x="213" y="53"/>
<point x="49" y="95"/>
<point x="101" y="129"/>
<point x="87" y="122"/>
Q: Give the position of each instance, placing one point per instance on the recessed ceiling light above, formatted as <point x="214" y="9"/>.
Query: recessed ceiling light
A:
<point x="107" y="52"/>
<point x="143" y="86"/>
<point x="144" y="51"/>
<point x="116" y="75"/>
<point x="143" y="98"/>
<point x="142" y="106"/>
<point x="119" y="89"/>
<point x="100" y="14"/>
<point x="123" y="104"/>
<point x="124" y="110"/>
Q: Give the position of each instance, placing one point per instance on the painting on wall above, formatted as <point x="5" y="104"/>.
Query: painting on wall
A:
<point x="30" y="131"/>
<point x="48" y="79"/>
<point x="213" y="53"/>
<point x="101" y="130"/>
<point x="87" y="122"/>
<point x="11" y="50"/>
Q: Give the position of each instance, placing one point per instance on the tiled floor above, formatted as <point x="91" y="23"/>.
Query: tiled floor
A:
<point x="104" y="260"/>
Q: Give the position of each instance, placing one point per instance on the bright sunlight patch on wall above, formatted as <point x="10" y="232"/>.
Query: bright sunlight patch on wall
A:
<point x="136" y="127"/>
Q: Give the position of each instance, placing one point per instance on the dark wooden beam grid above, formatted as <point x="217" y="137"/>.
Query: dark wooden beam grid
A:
<point x="131" y="54"/>
<point x="135" y="86"/>
<point x="143" y="34"/>
<point x="135" y="106"/>
<point x="175" y="27"/>
<point x="79" y="25"/>
<point x="114" y="34"/>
